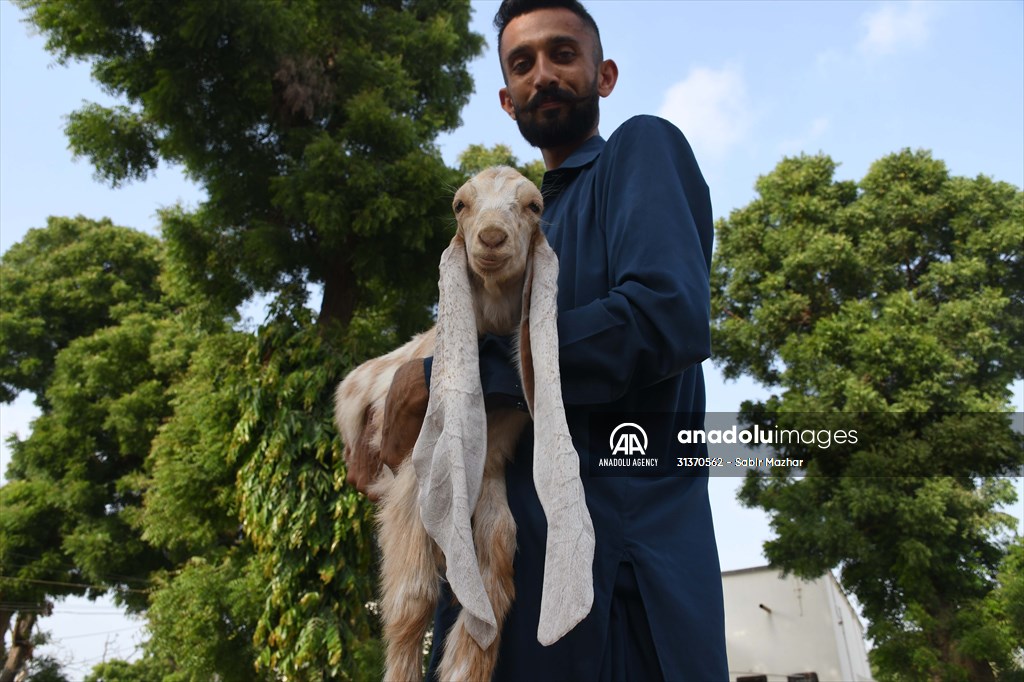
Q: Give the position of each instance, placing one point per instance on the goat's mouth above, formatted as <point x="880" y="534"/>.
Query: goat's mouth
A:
<point x="489" y="262"/>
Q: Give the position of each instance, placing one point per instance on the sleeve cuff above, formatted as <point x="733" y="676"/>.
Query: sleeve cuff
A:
<point x="499" y="377"/>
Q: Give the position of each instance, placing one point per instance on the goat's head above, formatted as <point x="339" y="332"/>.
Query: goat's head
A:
<point x="498" y="212"/>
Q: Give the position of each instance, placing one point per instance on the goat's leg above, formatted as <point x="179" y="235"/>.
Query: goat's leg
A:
<point x="409" y="577"/>
<point x="494" y="534"/>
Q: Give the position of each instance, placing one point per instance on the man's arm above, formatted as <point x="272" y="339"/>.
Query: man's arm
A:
<point x="654" y="321"/>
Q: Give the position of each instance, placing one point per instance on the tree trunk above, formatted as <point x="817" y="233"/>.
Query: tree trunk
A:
<point x="977" y="671"/>
<point x="21" y="646"/>
<point x="948" y="648"/>
<point x="339" y="301"/>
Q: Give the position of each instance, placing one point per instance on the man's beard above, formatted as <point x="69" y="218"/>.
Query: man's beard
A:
<point x="544" y="132"/>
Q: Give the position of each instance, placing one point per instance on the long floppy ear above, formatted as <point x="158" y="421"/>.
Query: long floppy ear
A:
<point x="524" y="341"/>
<point x="451" y="449"/>
<point x="568" y="592"/>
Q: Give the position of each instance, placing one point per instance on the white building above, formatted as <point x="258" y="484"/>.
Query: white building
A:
<point x="783" y="629"/>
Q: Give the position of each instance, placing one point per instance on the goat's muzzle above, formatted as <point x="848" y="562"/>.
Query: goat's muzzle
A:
<point x="492" y="251"/>
<point x="493" y="237"/>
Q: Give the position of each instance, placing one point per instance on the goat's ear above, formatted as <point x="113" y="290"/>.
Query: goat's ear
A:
<point x="568" y="593"/>
<point x="525" y="347"/>
<point x="539" y="322"/>
<point x="456" y="321"/>
<point x="449" y="454"/>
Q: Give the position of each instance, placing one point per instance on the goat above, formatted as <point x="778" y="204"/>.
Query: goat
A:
<point x="446" y="506"/>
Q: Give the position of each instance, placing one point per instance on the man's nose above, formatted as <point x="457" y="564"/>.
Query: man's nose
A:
<point x="544" y="74"/>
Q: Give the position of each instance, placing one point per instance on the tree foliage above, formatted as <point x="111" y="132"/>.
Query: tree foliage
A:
<point x="309" y="124"/>
<point x="145" y="669"/>
<point x="83" y="313"/>
<point x="893" y="306"/>
<point x="44" y="669"/>
<point x="313" y="538"/>
<point x="59" y="287"/>
<point x="477" y="157"/>
<point x="202" y="620"/>
<point x="157" y="427"/>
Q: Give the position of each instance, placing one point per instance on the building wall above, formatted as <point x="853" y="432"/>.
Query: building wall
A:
<point x="779" y="626"/>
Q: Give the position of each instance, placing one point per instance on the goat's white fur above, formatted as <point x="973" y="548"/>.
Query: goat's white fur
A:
<point x="424" y="513"/>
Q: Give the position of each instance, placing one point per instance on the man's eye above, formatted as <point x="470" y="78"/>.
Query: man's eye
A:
<point x="565" y="55"/>
<point x="520" y="66"/>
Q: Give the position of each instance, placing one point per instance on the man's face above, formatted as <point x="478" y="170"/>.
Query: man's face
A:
<point x="553" y="80"/>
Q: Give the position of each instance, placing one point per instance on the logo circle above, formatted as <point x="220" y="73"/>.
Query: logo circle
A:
<point x="613" y="443"/>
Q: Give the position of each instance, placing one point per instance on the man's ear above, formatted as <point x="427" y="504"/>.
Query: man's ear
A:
<point x="607" y="76"/>
<point x="506" y="102"/>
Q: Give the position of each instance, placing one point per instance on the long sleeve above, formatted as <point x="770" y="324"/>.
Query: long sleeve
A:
<point x="646" y="238"/>
<point x="499" y="378"/>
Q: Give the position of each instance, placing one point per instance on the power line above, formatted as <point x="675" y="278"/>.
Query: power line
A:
<point x="98" y="634"/>
<point x="59" y="583"/>
<point x="112" y="577"/>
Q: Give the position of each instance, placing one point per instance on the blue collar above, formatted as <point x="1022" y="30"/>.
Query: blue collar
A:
<point x="585" y="153"/>
<point x="557" y="179"/>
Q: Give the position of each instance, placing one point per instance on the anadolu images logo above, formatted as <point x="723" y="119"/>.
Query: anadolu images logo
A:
<point x="628" y="439"/>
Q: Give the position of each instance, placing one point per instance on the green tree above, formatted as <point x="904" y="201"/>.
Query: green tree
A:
<point x="202" y="621"/>
<point x="145" y="669"/>
<point x="313" y="536"/>
<point x="107" y="402"/>
<point x="1008" y="600"/>
<point x="893" y="306"/>
<point x="202" y="614"/>
<point x="310" y="125"/>
<point x="45" y="669"/>
<point x="58" y="287"/>
<point x="80" y="312"/>
<point x="477" y="157"/>
<point x="33" y="563"/>
<point x="243" y="491"/>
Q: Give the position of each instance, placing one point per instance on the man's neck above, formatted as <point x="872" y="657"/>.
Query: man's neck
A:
<point x="556" y="156"/>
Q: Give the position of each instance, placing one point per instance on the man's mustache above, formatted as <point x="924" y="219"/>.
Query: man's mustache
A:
<point x="550" y="95"/>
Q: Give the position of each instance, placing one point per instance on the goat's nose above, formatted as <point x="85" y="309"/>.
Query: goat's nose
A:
<point x="492" y="237"/>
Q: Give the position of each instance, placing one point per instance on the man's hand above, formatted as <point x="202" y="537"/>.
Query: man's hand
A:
<point x="404" y="409"/>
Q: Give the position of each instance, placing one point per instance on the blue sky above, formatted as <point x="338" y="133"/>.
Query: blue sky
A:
<point x="747" y="82"/>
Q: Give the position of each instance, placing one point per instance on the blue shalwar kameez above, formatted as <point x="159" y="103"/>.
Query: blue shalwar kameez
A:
<point x="630" y="219"/>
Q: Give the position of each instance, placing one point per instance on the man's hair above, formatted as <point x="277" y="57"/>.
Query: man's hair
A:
<point x="510" y="9"/>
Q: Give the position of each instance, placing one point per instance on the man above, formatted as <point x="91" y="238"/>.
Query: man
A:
<point x="630" y="219"/>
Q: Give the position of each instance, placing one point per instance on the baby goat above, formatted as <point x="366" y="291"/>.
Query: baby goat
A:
<point x="446" y="506"/>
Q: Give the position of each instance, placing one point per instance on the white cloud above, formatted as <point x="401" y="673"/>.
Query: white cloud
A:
<point x="710" y="106"/>
<point x="895" y="26"/>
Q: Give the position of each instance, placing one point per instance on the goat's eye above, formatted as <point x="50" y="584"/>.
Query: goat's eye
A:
<point x="534" y="206"/>
<point x="459" y="205"/>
